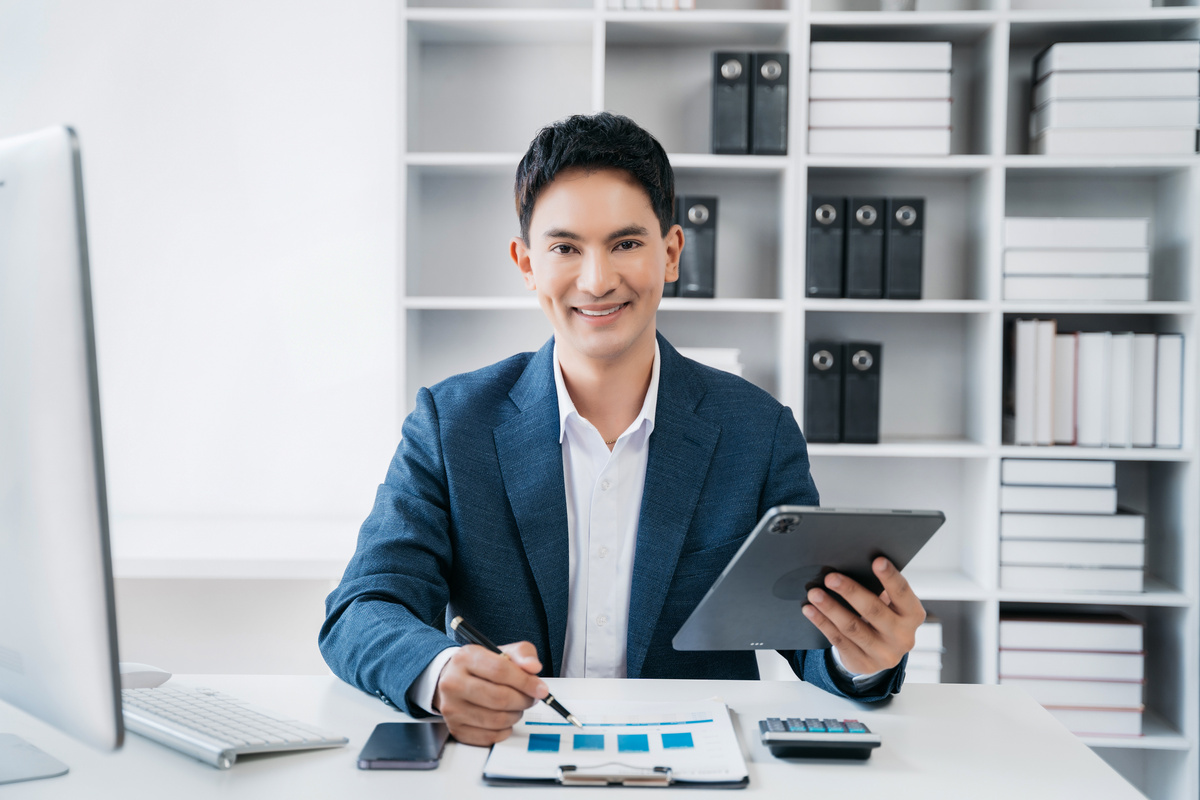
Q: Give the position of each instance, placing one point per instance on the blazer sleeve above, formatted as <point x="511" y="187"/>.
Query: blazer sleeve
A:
<point x="789" y="482"/>
<point x="383" y="623"/>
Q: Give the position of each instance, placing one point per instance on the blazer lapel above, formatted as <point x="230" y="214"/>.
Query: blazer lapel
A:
<point x="681" y="449"/>
<point x="532" y="471"/>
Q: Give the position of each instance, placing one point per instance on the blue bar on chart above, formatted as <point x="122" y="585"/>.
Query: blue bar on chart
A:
<point x="543" y="742"/>
<point x="588" y="741"/>
<point x="674" y="741"/>
<point x="633" y="743"/>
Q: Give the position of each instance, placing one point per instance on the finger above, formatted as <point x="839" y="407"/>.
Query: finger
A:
<point x="847" y="648"/>
<point x="480" y="737"/>
<point x="901" y="596"/>
<point x="863" y="600"/>
<point x="464" y="712"/>
<point x="497" y="669"/>
<point x="524" y="655"/>
<point x="848" y="624"/>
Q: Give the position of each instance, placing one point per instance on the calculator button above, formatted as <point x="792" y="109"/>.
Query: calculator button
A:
<point x="856" y="727"/>
<point x="796" y="725"/>
<point x="775" y="724"/>
<point x="814" y="726"/>
<point x="834" y="726"/>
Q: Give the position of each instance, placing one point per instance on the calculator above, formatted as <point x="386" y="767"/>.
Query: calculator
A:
<point x="817" y="738"/>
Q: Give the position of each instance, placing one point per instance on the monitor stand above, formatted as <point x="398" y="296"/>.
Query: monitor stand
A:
<point x="21" y="761"/>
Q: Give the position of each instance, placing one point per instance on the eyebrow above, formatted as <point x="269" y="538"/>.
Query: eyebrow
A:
<point x="628" y="230"/>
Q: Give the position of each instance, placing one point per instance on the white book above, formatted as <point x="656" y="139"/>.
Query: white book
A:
<point x="1057" y="472"/>
<point x="1072" y="664"/>
<point x="1043" y="400"/>
<point x="1073" y="693"/>
<point x="1105" y="633"/>
<point x="879" y="113"/>
<point x="889" y="56"/>
<point x="1108" y="84"/>
<point x="1168" y="405"/>
<point x="1088" y="56"/>
<point x="1114" y="141"/>
<point x="1120" y="391"/>
<point x="1072" y="579"/>
<point x="1151" y="113"/>
<point x="863" y="85"/>
<point x="1076" y="233"/>
<point x="1145" y="365"/>
<point x="1126" y="527"/>
<point x="1078" y="5"/>
<point x="1025" y="381"/>
<point x="1078" y="263"/>
<point x="1059" y="499"/>
<point x="1099" y="721"/>
<point x="1079" y="288"/>
<point x="1018" y="552"/>
<point x="879" y="141"/>
<point x="1091" y="388"/>
<point x="727" y="359"/>
<point x="1064" y="388"/>
<point x="929" y="635"/>
<point x="922" y="675"/>
<point x="924" y="659"/>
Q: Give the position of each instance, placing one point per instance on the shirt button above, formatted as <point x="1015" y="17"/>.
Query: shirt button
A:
<point x="602" y="552"/>
<point x="602" y="620"/>
<point x="605" y="484"/>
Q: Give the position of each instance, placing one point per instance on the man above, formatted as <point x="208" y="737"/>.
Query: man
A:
<point x="578" y="502"/>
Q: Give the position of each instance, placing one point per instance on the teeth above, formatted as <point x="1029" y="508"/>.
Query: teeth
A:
<point x="612" y="310"/>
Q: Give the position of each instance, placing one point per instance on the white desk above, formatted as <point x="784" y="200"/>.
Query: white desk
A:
<point x="938" y="742"/>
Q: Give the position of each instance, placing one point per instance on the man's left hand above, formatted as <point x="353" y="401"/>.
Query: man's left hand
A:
<point x="882" y="631"/>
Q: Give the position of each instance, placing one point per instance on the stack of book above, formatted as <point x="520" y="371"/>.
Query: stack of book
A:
<point x="925" y="659"/>
<point x="728" y="359"/>
<point x="879" y="98"/>
<point x="1113" y="98"/>
<point x="1060" y="530"/>
<point x="1096" y="389"/>
<point x="1076" y="259"/>
<point x="1087" y="670"/>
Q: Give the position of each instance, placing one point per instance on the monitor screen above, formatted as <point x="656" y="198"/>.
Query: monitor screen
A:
<point x="58" y="646"/>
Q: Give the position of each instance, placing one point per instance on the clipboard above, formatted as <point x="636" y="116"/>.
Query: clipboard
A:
<point x="691" y="745"/>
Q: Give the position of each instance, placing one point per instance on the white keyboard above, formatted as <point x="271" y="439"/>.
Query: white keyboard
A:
<point x="216" y="728"/>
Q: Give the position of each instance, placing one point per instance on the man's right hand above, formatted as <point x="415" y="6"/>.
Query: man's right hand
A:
<point x="481" y="694"/>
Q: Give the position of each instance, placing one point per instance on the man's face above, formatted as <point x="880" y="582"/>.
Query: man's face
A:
<point x="598" y="262"/>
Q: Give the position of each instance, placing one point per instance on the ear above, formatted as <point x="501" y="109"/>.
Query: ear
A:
<point x="674" y="242"/>
<point x="519" y="253"/>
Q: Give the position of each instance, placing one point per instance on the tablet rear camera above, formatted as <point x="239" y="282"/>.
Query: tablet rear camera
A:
<point x="784" y="523"/>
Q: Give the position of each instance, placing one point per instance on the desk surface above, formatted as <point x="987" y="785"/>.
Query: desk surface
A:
<point x="948" y="741"/>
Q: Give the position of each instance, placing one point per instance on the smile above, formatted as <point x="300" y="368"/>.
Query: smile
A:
<point x="604" y="313"/>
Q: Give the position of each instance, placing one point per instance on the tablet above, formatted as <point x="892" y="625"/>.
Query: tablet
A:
<point x="755" y="604"/>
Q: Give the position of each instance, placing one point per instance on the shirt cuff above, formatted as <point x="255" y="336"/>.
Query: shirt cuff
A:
<point x="423" y="689"/>
<point x="860" y="681"/>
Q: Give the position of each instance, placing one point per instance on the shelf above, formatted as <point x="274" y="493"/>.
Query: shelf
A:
<point x="942" y="585"/>
<point x="1056" y="16"/>
<point x="715" y="28"/>
<point x="931" y="24"/>
<point x="488" y="162"/>
<point x="1157" y="734"/>
<point x="1059" y="308"/>
<point x="747" y="306"/>
<point x="905" y="165"/>
<point x="707" y="163"/>
<point x="847" y="305"/>
<point x="1157" y="594"/>
<point x="950" y="448"/>
<point x="500" y="26"/>
<point x="1132" y="166"/>
<point x="1096" y="453"/>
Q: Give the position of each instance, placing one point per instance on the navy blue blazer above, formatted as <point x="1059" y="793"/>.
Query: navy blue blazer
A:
<point x="472" y="520"/>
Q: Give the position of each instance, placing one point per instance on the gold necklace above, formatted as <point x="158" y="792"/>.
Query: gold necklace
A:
<point x="614" y="441"/>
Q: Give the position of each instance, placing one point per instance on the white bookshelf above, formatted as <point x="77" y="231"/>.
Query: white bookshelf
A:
<point x="514" y="65"/>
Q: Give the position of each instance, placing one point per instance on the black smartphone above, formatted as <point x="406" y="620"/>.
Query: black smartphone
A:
<point x="404" y="745"/>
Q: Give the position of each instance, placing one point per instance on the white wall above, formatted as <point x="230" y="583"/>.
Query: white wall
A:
<point x="240" y="163"/>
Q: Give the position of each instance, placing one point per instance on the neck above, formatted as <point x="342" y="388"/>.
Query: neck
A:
<point x="609" y="394"/>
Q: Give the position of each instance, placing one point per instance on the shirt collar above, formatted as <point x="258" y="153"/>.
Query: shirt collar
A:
<point x="566" y="406"/>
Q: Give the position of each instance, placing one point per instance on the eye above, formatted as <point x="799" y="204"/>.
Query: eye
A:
<point x="562" y="249"/>
<point x="628" y="245"/>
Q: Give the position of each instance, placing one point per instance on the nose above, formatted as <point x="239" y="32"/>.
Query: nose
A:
<point x="597" y="276"/>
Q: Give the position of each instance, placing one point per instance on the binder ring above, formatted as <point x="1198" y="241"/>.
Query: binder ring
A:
<point x="731" y="70"/>
<point x="822" y="360"/>
<point x="866" y="215"/>
<point x="862" y="360"/>
<point x="906" y="215"/>
<point x="698" y="214"/>
<point x="825" y="214"/>
<point x="771" y="70"/>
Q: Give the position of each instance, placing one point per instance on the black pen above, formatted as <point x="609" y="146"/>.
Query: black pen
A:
<point x="475" y="637"/>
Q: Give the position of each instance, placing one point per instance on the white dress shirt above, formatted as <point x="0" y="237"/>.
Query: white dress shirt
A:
<point x="604" y="500"/>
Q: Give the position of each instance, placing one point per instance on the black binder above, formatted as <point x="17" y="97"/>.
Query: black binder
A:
<point x="905" y="226"/>
<point x="731" y="103"/>
<point x="769" y="104"/>
<point x="823" y="392"/>
<point x="860" y="393"/>
<point x="864" y="247"/>
<point x="698" y="262"/>
<point x="826" y="246"/>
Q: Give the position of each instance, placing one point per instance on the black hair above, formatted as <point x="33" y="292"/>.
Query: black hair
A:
<point x="595" y="142"/>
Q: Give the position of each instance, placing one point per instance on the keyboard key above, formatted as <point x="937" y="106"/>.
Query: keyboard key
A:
<point x="815" y="725"/>
<point x="796" y="725"/>
<point x="834" y="726"/>
<point x="776" y="724"/>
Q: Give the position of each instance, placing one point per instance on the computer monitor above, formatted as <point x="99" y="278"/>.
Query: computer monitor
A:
<point x="58" y="640"/>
